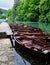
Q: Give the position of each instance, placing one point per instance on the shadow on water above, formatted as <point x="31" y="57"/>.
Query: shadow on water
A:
<point x="23" y="58"/>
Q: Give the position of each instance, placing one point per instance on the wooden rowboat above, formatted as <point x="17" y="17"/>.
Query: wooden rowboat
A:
<point x="31" y="38"/>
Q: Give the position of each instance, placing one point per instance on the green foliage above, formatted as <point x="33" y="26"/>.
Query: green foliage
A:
<point x="48" y="16"/>
<point x="9" y="14"/>
<point x="14" y="13"/>
<point x="1" y="12"/>
<point x="30" y="10"/>
<point x="2" y="15"/>
<point x="44" y="9"/>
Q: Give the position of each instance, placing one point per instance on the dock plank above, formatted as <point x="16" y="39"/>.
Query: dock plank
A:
<point x="4" y="27"/>
<point x="6" y="53"/>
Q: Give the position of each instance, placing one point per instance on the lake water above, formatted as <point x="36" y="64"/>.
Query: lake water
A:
<point x="3" y="20"/>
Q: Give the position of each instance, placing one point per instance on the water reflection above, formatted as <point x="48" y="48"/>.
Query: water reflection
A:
<point x="23" y="58"/>
<point x="45" y="27"/>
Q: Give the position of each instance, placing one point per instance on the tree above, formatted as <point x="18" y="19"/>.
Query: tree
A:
<point x="31" y="10"/>
<point x="44" y="9"/>
<point x="28" y="10"/>
<point x="16" y="3"/>
<point x="9" y="15"/>
<point x="1" y="12"/>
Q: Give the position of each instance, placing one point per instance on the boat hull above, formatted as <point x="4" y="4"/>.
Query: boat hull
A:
<point x="33" y="53"/>
<point x="24" y="34"/>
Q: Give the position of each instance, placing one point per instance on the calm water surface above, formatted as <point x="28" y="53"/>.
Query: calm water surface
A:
<point x="3" y="20"/>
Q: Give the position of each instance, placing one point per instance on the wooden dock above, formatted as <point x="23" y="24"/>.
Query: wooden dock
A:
<point x="6" y="51"/>
<point x="4" y="27"/>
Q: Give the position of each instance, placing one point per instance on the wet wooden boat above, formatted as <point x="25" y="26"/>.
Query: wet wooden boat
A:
<point x="31" y="38"/>
<point x="17" y="27"/>
<point x="37" y="44"/>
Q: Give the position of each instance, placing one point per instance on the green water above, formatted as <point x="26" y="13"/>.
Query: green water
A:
<point x="44" y="26"/>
